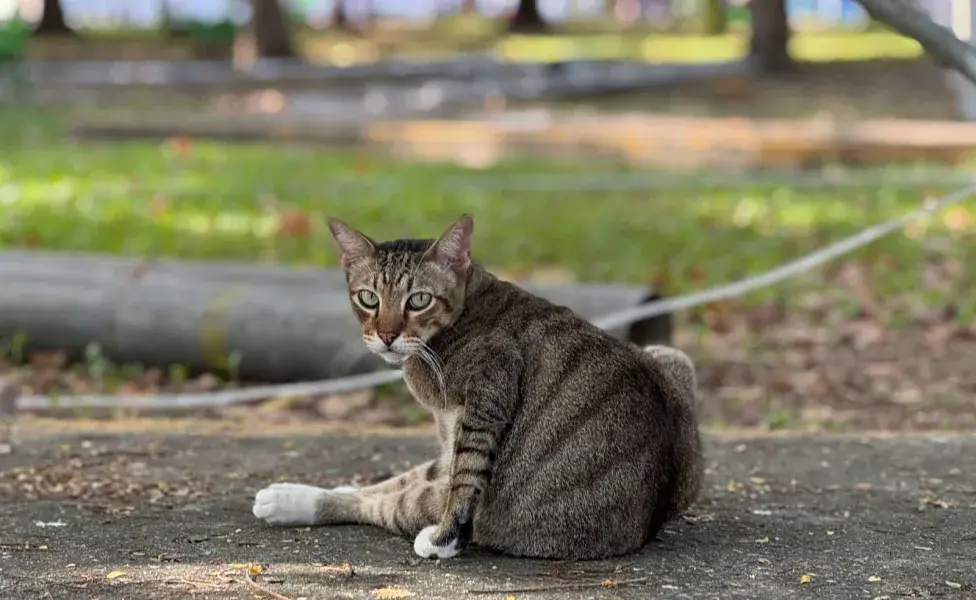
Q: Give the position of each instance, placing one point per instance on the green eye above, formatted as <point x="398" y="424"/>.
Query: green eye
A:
<point x="368" y="299"/>
<point x="419" y="301"/>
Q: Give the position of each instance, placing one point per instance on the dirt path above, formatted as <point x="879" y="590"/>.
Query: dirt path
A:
<point x="852" y="517"/>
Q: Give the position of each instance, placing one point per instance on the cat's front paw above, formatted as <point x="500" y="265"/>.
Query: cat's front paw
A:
<point x="289" y="504"/>
<point x="425" y="547"/>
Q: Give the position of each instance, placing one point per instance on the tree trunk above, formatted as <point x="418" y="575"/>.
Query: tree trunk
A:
<point x="340" y="20"/>
<point x="164" y="313"/>
<point x="770" y="35"/>
<point x="52" y="21"/>
<point x="271" y="34"/>
<point x="527" y="18"/>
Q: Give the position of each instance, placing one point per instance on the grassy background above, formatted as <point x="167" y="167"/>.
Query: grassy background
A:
<point x="195" y="199"/>
<point x="884" y="339"/>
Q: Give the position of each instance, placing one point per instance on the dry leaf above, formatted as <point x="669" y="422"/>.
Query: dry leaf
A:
<point x="874" y="579"/>
<point x="295" y="223"/>
<point x="806" y="578"/>
<point x="390" y="592"/>
<point x="115" y="574"/>
<point x="255" y="569"/>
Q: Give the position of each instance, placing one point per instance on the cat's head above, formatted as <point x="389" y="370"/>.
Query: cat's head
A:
<point x="405" y="292"/>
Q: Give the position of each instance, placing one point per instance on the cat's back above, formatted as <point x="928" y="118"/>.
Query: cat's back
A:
<point x="559" y="346"/>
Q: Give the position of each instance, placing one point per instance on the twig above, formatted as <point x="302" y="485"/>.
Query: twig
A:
<point x="262" y="589"/>
<point x="197" y="584"/>
<point x="563" y="586"/>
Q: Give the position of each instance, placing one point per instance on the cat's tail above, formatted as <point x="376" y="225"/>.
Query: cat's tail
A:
<point x="680" y="370"/>
<point x="678" y="367"/>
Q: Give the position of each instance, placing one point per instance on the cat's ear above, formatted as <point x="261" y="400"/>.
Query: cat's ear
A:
<point x="352" y="244"/>
<point x="453" y="248"/>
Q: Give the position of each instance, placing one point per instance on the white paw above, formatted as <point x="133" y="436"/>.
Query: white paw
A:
<point x="288" y="504"/>
<point x="425" y="548"/>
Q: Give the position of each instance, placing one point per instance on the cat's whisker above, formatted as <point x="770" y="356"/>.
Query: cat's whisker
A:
<point x="427" y="354"/>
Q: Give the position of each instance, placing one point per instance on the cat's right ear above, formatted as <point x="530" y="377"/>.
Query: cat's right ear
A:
<point x="352" y="244"/>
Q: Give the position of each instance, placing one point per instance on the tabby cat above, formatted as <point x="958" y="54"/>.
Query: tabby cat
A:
<point x="557" y="439"/>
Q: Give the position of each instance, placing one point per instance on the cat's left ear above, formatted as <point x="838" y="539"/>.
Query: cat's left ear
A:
<point x="453" y="248"/>
<point x="352" y="244"/>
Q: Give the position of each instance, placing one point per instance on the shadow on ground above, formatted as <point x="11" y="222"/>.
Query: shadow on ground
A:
<point x="837" y="517"/>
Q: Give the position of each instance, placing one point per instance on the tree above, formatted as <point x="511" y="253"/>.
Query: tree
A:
<point x="939" y="41"/>
<point x="769" y="45"/>
<point x="340" y="20"/>
<point x="271" y="35"/>
<point x="52" y="20"/>
<point x="468" y="7"/>
<point x="527" y="18"/>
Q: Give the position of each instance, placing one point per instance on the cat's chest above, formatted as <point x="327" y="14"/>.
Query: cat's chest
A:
<point x="428" y="384"/>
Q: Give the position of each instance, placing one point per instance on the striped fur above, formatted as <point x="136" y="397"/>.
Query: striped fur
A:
<point x="557" y="440"/>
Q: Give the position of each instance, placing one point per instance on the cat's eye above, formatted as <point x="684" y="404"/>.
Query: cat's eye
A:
<point x="419" y="301"/>
<point x="368" y="299"/>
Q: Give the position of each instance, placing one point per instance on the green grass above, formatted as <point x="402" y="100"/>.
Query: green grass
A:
<point x="814" y="46"/>
<point x="653" y="47"/>
<point x="141" y="198"/>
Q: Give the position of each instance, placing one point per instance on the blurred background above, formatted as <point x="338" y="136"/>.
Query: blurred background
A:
<point x="608" y="149"/>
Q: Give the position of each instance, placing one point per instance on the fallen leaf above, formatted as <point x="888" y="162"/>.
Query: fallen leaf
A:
<point x="806" y="578"/>
<point x="115" y="575"/>
<point x="390" y="592"/>
<point x="296" y="224"/>
<point x="765" y="540"/>
<point x="609" y="583"/>
<point x="181" y="145"/>
<point x="830" y="532"/>
<point x="953" y="585"/>
<point x="874" y="579"/>
<point x="757" y="480"/>
<point x="255" y="569"/>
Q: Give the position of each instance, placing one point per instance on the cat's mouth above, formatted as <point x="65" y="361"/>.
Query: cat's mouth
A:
<point x="393" y="357"/>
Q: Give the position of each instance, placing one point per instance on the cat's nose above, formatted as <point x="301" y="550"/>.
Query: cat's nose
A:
<point x="387" y="337"/>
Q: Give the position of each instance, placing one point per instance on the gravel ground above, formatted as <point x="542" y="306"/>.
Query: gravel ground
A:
<point x="137" y="511"/>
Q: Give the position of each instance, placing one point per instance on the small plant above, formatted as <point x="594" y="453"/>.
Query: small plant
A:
<point x="178" y="373"/>
<point x="234" y="366"/>
<point x="96" y="364"/>
<point x="13" y="349"/>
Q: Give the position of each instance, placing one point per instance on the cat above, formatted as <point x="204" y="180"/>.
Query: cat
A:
<point x="557" y="440"/>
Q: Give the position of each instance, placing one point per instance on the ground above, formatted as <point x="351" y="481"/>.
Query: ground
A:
<point x="127" y="510"/>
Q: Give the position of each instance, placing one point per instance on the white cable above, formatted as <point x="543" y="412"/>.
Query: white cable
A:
<point x="162" y="402"/>
<point x="790" y="269"/>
